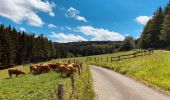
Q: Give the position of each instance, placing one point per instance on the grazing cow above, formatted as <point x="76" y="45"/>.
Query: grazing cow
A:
<point x="64" y="70"/>
<point x="43" y="68"/>
<point x="38" y="69"/>
<point x="67" y="69"/>
<point x="34" y="69"/>
<point x="15" y="71"/>
<point x="72" y="69"/>
<point x="54" y="66"/>
<point x="74" y="65"/>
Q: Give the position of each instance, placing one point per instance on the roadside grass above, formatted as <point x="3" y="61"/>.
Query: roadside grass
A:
<point x="153" y="70"/>
<point x="44" y="86"/>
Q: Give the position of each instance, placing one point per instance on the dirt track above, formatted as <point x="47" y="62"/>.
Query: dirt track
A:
<point x="109" y="85"/>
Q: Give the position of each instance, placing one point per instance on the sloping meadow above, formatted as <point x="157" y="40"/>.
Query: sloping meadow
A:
<point x="44" y="86"/>
<point x="153" y="70"/>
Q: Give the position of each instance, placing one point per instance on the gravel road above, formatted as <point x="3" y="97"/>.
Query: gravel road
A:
<point x="109" y="85"/>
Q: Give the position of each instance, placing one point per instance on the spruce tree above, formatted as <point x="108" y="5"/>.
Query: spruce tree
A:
<point x="165" y="32"/>
<point x="144" y="41"/>
<point x="165" y="36"/>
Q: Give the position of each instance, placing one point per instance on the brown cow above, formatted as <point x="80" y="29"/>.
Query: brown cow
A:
<point x="74" y="65"/>
<point x="72" y="69"/>
<point x="15" y="71"/>
<point x="43" y="68"/>
<point x="67" y="69"/>
<point x="38" y="69"/>
<point x="64" y="70"/>
<point x="34" y="69"/>
<point x="54" y="66"/>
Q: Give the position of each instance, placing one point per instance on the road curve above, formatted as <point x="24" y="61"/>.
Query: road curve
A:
<point x="109" y="85"/>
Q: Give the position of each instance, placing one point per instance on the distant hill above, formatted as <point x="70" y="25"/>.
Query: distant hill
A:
<point x="86" y="43"/>
<point x="87" y="48"/>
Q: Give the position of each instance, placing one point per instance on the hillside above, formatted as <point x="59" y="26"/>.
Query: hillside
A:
<point x="44" y="86"/>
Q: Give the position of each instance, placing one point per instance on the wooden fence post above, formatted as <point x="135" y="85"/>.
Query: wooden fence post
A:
<point x="81" y="66"/>
<point x="60" y="91"/>
<point x="79" y="72"/>
<point x="69" y="61"/>
<point x="118" y="58"/>
<point x="74" y="61"/>
<point x="145" y="52"/>
<point x="134" y="55"/>
<point x="72" y="83"/>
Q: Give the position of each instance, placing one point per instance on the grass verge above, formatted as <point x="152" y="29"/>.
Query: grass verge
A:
<point x="153" y="70"/>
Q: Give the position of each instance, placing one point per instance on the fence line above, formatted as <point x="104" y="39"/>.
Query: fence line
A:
<point x="60" y="90"/>
<point x="137" y="53"/>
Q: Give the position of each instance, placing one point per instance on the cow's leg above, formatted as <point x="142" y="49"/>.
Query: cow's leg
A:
<point x="10" y="74"/>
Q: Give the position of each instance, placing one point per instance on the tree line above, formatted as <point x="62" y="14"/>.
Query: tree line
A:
<point x="19" y="47"/>
<point x="156" y="33"/>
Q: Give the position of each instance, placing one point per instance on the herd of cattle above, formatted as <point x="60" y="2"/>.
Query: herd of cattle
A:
<point x="64" y="68"/>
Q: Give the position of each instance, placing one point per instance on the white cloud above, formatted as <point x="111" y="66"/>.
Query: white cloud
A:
<point x="74" y="13"/>
<point x="143" y="19"/>
<point x="25" y="10"/>
<point x="22" y="29"/>
<point x="64" y="38"/>
<point x="51" y="26"/>
<point x="51" y="14"/>
<point x="100" y="34"/>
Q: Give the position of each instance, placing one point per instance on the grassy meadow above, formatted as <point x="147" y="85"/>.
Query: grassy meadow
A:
<point x="44" y="86"/>
<point x="153" y="70"/>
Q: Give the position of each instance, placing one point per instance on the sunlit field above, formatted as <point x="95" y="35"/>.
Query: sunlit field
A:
<point x="153" y="70"/>
<point x="44" y="86"/>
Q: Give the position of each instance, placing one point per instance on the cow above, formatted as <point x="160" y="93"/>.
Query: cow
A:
<point x="38" y="69"/>
<point x="74" y="65"/>
<point x="54" y="66"/>
<point x="15" y="71"/>
<point x="34" y="69"/>
<point x="72" y="68"/>
<point x="43" y="68"/>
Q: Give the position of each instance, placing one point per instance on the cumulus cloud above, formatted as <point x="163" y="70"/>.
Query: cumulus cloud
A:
<point x="25" y="10"/>
<point x="64" y="38"/>
<point x="74" y="13"/>
<point x="100" y="34"/>
<point x="142" y="19"/>
<point x="51" y="26"/>
<point x="22" y="29"/>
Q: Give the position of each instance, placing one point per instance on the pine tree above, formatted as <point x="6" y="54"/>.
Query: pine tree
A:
<point x="155" y="29"/>
<point x="165" y="32"/>
<point x="144" y="41"/>
<point x="165" y="36"/>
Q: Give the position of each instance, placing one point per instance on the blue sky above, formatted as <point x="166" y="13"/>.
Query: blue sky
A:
<point x="79" y="20"/>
